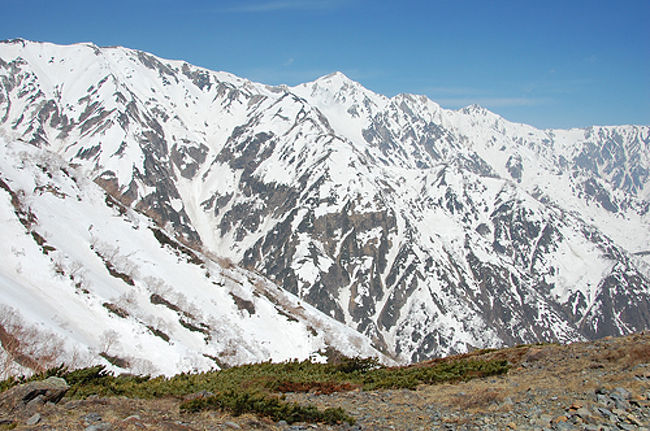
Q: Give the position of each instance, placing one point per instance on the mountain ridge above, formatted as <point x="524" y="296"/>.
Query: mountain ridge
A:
<point x="429" y="230"/>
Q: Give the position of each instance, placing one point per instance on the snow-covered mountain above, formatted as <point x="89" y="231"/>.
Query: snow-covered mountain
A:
<point x="85" y="279"/>
<point x="430" y="231"/>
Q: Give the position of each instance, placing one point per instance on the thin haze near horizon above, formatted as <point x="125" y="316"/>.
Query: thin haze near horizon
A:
<point x="552" y="64"/>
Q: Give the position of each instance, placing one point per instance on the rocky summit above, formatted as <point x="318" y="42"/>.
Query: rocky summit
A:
<point x="420" y="231"/>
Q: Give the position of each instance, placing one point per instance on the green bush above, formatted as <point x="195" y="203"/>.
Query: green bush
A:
<point x="262" y="404"/>
<point x="249" y="388"/>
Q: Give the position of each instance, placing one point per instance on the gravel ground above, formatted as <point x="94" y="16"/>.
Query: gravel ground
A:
<point x="602" y="385"/>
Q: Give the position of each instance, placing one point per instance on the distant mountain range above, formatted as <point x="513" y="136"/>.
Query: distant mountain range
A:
<point x="347" y="221"/>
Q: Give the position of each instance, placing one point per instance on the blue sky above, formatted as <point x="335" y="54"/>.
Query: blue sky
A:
<point x="548" y="63"/>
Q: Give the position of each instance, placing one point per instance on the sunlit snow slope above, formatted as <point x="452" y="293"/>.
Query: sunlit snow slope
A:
<point x="431" y="231"/>
<point x="101" y="283"/>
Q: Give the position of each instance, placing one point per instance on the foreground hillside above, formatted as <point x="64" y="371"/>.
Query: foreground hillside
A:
<point x="601" y="385"/>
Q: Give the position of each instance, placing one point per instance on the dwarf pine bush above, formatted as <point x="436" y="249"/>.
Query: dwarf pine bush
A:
<point x="253" y="388"/>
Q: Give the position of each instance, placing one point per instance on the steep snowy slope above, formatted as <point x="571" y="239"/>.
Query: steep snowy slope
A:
<point x="431" y="231"/>
<point x="98" y="282"/>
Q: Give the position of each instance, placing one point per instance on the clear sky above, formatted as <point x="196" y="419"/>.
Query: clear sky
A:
<point x="568" y="63"/>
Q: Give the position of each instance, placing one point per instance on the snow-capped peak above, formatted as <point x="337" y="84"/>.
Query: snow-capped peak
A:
<point x="430" y="230"/>
<point x="348" y="106"/>
<point x="335" y="82"/>
<point x="477" y="110"/>
<point x="337" y="88"/>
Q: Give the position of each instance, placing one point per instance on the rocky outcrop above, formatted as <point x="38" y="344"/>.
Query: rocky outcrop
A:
<point x="27" y="396"/>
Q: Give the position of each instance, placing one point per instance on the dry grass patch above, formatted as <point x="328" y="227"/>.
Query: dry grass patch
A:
<point x="628" y="356"/>
<point x="478" y="400"/>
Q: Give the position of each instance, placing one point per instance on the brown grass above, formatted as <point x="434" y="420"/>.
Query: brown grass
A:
<point x="639" y="354"/>
<point x="478" y="400"/>
<point x="514" y="355"/>
<point x="629" y="356"/>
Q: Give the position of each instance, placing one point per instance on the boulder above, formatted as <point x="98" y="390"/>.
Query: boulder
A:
<point x="31" y="394"/>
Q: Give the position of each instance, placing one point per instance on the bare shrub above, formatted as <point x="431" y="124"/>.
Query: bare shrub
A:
<point x="144" y="367"/>
<point x="108" y="340"/>
<point x="118" y="265"/>
<point x="25" y="346"/>
<point x="127" y="300"/>
<point x="78" y="359"/>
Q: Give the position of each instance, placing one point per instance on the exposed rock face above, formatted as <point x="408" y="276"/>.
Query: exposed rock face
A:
<point x="431" y="231"/>
<point x="19" y="397"/>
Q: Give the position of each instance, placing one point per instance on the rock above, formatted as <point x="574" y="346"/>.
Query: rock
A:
<point x="198" y="395"/>
<point x="623" y="392"/>
<point x="633" y="420"/>
<point x="72" y="404"/>
<point x="102" y="426"/>
<point x="232" y="425"/>
<point x="36" y="418"/>
<point x="33" y="394"/>
<point x="173" y="426"/>
<point x="602" y="399"/>
<point x="622" y="404"/>
<point x="560" y="419"/>
<point x="605" y="413"/>
<point x="90" y="418"/>
<point x="585" y="414"/>
<point x="576" y="405"/>
<point x="35" y="403"/>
